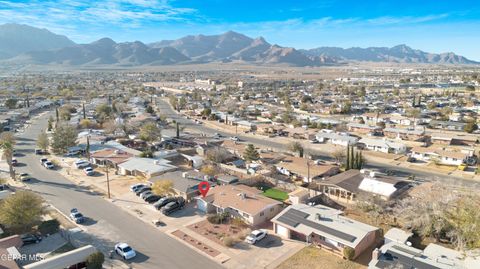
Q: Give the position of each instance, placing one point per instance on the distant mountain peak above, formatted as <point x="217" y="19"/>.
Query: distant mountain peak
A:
<point x="19" y="38"/>
<point x="396" y="54"/>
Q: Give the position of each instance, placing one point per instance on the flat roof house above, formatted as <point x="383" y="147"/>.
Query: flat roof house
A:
<point x="397" y="255"/>
<point x="145" y="167"/>
<point x="325" y="227"/>
<point x="240" y="201"/>
<point x="302" y="168"/>
<point x="336" y="138"/>
<point x="347" y="186"/>
<point x="383" y="145"/>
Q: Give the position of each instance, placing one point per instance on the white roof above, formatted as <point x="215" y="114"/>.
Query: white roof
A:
<point x="378" y="187"/>
<point x="382" y="143"/>
<point x="397" y="235"/>
<point x="146" y="165"/>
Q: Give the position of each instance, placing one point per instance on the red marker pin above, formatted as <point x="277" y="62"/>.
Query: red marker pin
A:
<point x="203" y="187"/>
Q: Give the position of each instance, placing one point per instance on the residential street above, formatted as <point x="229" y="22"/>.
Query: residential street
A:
<point x="109" y="224"/>
<point x="167" y="110"/>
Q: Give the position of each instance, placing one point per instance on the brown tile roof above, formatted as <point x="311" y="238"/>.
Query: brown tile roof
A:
<point x="348" y="180"/>
<point x="230" y="196"/>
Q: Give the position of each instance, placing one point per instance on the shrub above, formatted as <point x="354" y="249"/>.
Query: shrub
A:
<point x="218" y="218"/>
<point x="244" y="233"/>
<point x="95" y="260"/>
<point x="229" y="241"/>
<point x="239" y="223"/>
<point x="348" y="253"/>
<point x="49" y="227"/>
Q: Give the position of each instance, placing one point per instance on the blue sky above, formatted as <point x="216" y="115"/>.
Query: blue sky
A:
<point x="430" y="25"/>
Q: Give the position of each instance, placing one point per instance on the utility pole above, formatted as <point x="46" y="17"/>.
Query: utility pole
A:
<point x="108" y="183"/>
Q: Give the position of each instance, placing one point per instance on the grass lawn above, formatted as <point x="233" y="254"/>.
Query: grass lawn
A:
<point x="314" y="258"/>
<point x="276" y="194"/>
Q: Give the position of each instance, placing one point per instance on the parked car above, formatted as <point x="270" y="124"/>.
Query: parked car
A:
<point x="137" y="186"/>
<point x="43" y="160"/>
<point x="152" y="198"/>
<point x="25" y="177"/>
<point x="3" y="187"/>
<point x="255" y="236"/>
<point x="124" y="250"/>
<point x="81" y="164"/>
<point x="39" y="152"/>
<point x="217" y="135"/>
<point x="145" y="194"/>
<point x="235" y="138"/>
<point x="173" y="206"/>
<point x="28" y="239"/>
<point x="411" y="159"/>
<point x="142" y="190"/>
<point x="76" y="216"/>
<point x="163" y="201"/>
<point x="89" y="171"/>
<point x="48" y="165"/>
<point x="14" y="162"/>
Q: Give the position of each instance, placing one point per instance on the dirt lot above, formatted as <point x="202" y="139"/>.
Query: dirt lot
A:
<point x="314" y="258"/>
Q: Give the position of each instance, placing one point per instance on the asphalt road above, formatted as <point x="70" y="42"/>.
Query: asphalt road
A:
<point x="166" y="109"/>
<point x="109" y="224"/>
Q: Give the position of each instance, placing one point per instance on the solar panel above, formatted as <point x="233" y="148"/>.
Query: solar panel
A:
<point x="288" y="221"/>
<point x="298" y="213"/>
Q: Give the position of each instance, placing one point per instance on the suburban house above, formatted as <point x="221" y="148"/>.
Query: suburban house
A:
<point x="441" y="155"/>
<point x="447" y="125"/>
<point x="363" y="128"/>
<point x="397" y="255"/>
<point x="9" y="248"/>
<point x="145" y="167"/>
<point x="325" y="227"/>
<point x="405" y="134"/>
<point x="341" y="139"/>
<point x="383" y="145"/>
<point x="347" y="186"/>
<point x="109" y="156"/>
<point x="454" y="139"/>
<point x="305" y="169"/>
<point x="185" y="184"/>
<point x="241" y="201"/>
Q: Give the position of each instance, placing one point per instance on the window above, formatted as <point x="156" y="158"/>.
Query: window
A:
<point x="261" y="214"/>
<point x="340" y="245"/>
<point x="245" y="215"/>
<point x="271" y="209"/>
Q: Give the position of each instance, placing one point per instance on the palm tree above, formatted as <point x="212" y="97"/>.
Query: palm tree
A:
<point x="7" y="147"/>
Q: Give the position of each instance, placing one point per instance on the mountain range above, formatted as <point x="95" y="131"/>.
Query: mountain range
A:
<point x="22" y="44"/>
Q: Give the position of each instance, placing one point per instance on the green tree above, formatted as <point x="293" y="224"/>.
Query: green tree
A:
<point x="150" y="110"/>
<point x="348" y="253"/>
<point x="11" y="103"/>
<point x="64" y="136"/>
<point x="7" y="145"/>
<point x="20" y="212"/>
<point x="297" y="147"/>
<point x="150" y="132"/>
<point x="42" y="141"/>
<point x="103" y="112"/>
<point x="207" y="112"/>
<point x="470" y="127"/>
<point x="251" y="153"/>
<point x="50" y="124"/>
<point x="95" y="260"/>
<point x="83" y="111"/>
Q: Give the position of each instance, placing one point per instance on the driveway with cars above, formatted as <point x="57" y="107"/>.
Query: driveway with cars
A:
<point x="110" y="224"/>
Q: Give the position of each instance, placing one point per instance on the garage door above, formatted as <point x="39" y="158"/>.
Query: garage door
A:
<point x="282" y="231"/>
